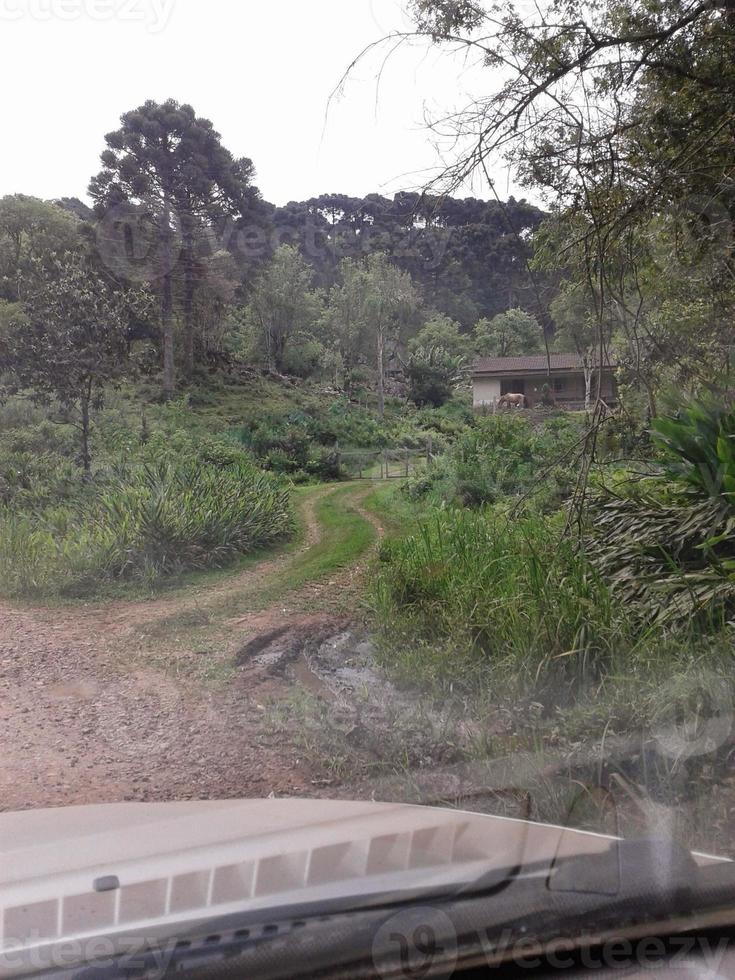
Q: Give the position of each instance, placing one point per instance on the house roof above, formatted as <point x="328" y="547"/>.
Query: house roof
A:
<point x="530" y="364"/>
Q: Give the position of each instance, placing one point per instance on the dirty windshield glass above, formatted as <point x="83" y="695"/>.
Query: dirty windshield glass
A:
<point x="367" y="422"/>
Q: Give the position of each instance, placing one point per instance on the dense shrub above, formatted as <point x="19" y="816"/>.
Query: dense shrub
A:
<point x="303" y="445"/>
<point x="666" y="544"/>
<point x="624" y="619"/>
<point x="668" y="561"/>
<point x="502" y="457"/>
<point x="434" y="373"/>
<point x="514" y="608"/>
<point x="697" y="445"/>
<point x="155" y="522"/>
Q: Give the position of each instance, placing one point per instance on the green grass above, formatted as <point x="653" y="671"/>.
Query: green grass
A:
<point x="509" y="614"/>
<point x="480" y="590"/>
<point x="346" y="536"/>
<point x="390" y="505"/>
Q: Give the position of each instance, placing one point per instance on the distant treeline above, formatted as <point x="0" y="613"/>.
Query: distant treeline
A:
<point x="469" y="257"/>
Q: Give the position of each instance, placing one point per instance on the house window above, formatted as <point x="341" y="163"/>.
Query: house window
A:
<point x="516" y="387"/>
<point x="559" y="386"/>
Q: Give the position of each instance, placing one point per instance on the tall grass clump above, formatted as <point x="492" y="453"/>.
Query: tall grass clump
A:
<point x="512" y="610"/>
<point x="520" y="599"/>
<point x="152" y="523"/>
<point x="474" y="592"/>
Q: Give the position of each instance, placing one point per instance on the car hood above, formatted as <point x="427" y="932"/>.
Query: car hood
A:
<point x="145" y="873"/>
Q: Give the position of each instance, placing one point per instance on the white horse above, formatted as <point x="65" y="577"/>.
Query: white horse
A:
<point x="513" y="401"/>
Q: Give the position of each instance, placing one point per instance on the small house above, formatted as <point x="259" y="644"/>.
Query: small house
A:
<point x="565" y="375"/>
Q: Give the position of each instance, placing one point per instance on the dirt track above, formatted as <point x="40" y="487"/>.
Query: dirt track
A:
<point x="115" y="702"/>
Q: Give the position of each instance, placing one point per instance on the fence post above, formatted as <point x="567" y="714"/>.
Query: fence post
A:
<point x="429" y="451"/>
<point x="408" y="461"/>
<point x="338" y="454"/>
<point x="385" y="459"/>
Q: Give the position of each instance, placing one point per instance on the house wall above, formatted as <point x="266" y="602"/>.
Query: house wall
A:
<point x="571" y="388"/>
<point x="564" y="388"/>
<point x="486" y="391"/>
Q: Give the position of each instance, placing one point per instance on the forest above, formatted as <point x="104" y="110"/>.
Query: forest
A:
<point x="183" y="364"/>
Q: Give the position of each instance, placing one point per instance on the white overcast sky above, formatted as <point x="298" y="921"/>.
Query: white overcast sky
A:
<point x="261" y="70"/>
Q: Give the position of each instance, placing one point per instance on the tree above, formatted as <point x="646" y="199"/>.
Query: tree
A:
<point x="388" y="303"/>
<point x="167" y="165"/>
<point x="444" y="333"/>
<point x="667" y="306"/>
<point x="577" y="331"/>
<point x="466" y="256"/>
<point x="33" y="235"/>
<point x="68" y="341"/>
<point x="622" y="115"/>
<point x="215" y="295"/>
<point x="434" y="373"/>
<point x="11" y="315"/>
<point x="370" y="312"/>
<point x="216" y="189"/>
<point x="80" y="210"/>
<point x="585" y="88"/>
<point x="509" y="334"/>
<point x="283" y="304"/>
<point x="345" y="323"/>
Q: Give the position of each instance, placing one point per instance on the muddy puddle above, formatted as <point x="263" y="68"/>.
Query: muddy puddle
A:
<point x="342" y="669"/>
<point x="331" y="659"/>
<point x="400" y="743"/>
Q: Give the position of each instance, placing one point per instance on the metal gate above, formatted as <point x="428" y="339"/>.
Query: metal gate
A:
<point x="383" y="464"/>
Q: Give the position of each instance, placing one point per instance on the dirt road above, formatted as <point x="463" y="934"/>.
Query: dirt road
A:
<point x="145" y="701"/>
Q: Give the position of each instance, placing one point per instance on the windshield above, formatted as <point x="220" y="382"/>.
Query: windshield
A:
<point x="366" y="432"/>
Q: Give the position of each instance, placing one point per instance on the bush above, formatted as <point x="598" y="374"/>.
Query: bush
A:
<point x="698" y="448"/>
<point x="323" y="465"/>
<point x="302" y="444"/>
<point x="666" y="544"/>
<point x="433" y="375"/>
<point x="157" y="522"/>
<point x="502" y="457"/>
<point x="32" y="479"/>
<point x="668" y="561"/>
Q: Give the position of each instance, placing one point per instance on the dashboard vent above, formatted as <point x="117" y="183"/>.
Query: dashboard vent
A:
<point x="191" y="890"/>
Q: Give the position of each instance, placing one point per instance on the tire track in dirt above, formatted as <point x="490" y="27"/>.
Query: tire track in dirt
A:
<point x="274" y="637"/>
<point x="84" y="718"/>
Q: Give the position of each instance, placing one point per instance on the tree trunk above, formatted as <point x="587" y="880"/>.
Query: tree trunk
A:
<point x="167" y="329"/>
<point x="648" y="387"/>
<point x="269" y="350"/>
<point x="587" y="387"/>
<point x="548" y="352"/>
<point x="167" y="306"/>
<point x="381" y="373"/>
<point x="86" y="457"/>
<point x="278" y="351"/>
<point x="189" y="290"/>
